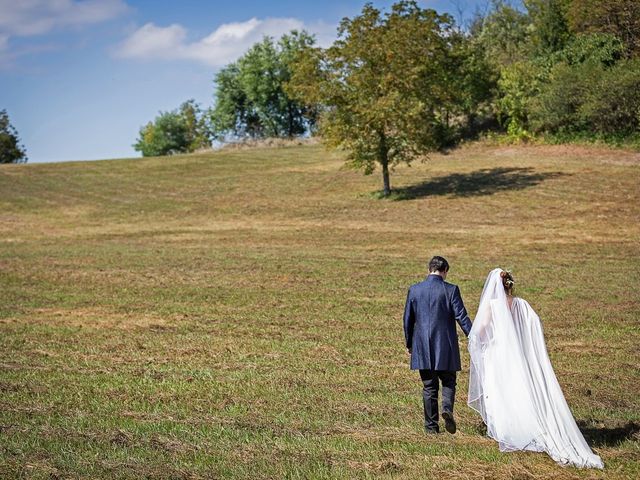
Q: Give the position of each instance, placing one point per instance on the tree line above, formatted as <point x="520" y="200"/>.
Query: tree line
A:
<point x="250" y="102"/>
<point x="398" y="84"/>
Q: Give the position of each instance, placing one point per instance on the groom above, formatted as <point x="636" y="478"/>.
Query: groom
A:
<point x="432" y="341"/>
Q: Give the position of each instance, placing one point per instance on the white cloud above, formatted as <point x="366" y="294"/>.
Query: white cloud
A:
<point x="25" y="18"/>
<point x="225" y="44"/>
<point x="37" y="17"/>
<point x="150" y="41"/>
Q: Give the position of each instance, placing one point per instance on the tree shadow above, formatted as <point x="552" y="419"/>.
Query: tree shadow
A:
<point x="608" y="437"/>
<point x="481" y="182"/>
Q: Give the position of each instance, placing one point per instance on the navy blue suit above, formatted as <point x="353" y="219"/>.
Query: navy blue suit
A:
<point x="433" y="307"/>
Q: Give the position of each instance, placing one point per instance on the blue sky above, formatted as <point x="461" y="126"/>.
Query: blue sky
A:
<point x="79" y="77"/>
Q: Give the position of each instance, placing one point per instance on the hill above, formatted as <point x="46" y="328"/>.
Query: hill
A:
<point x="238" y="313"/>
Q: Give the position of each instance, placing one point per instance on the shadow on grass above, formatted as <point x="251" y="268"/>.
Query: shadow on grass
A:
<point x="481" y="182"/>
<point x="595" y="436"/>
<point x="480" y="428"/>
<point x="608" y="437"/>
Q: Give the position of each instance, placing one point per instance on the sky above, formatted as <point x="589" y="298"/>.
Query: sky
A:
<point x="79" y="78"/>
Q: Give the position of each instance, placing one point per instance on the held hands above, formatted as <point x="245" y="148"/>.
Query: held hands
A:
<point x="408" y="351"/>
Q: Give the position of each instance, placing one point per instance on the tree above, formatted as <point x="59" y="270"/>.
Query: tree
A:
<point x="232" y="114"/>
<point x="300" y="115"/>
<point x="179" y="131"/>
<point x="10" y="149"/>
<point x="550" y="29"/>
<point x="518" y="84"/>
<point x="250" y="97"/>
<point x="382" y="85"/>
<point x="473" y="81"/>
<point x="504" y="34"/>
<point x="197" y="131"/>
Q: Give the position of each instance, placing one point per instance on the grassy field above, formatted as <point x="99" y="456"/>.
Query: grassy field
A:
<point x="238" y="314"/>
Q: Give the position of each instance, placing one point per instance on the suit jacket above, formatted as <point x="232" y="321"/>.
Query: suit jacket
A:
<point x="433" y="306"/>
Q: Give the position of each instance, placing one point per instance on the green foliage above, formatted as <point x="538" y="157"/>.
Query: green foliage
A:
<point x="557" y="108"/>
<point x="166" y="135"/>
<point x="385" y="85"/>
<point x="549" y="28"/>
<point x="197" y="130"/>
<point x="504" y="33"/>
<point x="620" y="18"/>
<point x="180" y="131"/>
<point x="518" y="84"/>
<point x="232" y="112"/>
<point x="601" y="48"/>
<point x="507" y="36"/>
<point x="592" y="95"/>
<point x="472" y="82"/>
<point x="559" y="64"/>
<point x="251" y="100"/>
<point x="613" y="101"/>
<point x="10" y="149"/>
<point x="581" y="87"/>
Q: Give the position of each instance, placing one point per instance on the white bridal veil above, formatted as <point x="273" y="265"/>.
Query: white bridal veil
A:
<point x="512" y="383"/>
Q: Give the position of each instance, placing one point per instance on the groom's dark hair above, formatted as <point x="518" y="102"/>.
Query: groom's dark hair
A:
<point x="438" y="264"/>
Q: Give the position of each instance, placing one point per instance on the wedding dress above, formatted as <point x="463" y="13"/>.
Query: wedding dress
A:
<point x="512" y="383"/>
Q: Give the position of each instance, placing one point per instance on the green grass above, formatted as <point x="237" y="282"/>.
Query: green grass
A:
<point x="238" y="314"/>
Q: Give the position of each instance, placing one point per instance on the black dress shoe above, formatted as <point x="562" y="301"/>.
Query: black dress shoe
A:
<point x="431" y="431"/>
<point x="449" y="422"/>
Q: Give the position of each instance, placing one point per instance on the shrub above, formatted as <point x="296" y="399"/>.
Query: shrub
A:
<point x="612" y="104"/>
<point x="558" y="106"/>
<point x="179" y="131"/>
<point x="589" y="98"/>
<point x="518" y="84"/>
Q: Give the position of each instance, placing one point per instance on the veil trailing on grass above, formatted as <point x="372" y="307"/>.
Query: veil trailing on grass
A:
<point x="512" y="383"/>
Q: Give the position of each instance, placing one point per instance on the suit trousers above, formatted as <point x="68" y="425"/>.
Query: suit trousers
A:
<point x="431" y="382"/>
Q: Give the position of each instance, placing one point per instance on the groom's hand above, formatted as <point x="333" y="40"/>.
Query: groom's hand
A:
<point x="408" y="351"/>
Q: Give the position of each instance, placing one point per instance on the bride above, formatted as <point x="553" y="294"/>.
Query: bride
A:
<point x="512" y="383"/>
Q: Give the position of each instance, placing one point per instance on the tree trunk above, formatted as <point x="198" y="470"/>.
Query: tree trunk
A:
<point x="384" y="161"/>
<point x="385" y="179"/>
<point x="290" y="119"/>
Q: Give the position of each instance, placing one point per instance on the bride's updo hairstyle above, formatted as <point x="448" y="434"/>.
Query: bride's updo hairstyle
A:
<point x="507" y="281"/>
